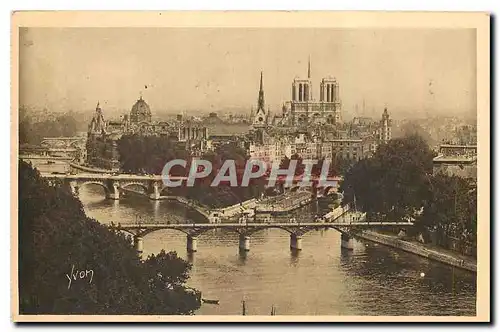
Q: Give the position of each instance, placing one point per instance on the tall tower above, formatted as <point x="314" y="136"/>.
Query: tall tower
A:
<point x="302" y="88"/>
<point x="329" y="90"/>
<point x="301" y="105"/>
<point x="261" y="104"/>
<point x="309" y="68"/>
<point x="330" y="100"/>
<point x="97" y="125"/>
<point x="260" y="118"/>
<point x="385" y="127"/>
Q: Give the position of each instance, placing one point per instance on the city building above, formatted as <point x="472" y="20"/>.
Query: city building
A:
<point x="384" y="130"/>
<point x="303" y="109"/>
<point x="260" y="118"/>
<point x="313" y="129"/>
<point x="459" y="160"/>
<point x="102" y="136"/>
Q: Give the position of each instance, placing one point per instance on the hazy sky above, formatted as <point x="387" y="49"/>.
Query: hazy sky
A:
<point x="417" y="70"/>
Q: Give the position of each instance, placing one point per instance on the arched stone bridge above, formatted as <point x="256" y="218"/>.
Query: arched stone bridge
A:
<point x="152" y="184"/>
<point x="64" y="142"/>
<point x="153" y="187"/>
<point x="71" y="147"/>
<point x="113" y="185"/>
<point x="347" y="227"/>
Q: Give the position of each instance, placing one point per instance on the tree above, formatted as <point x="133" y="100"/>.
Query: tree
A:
<point x="33" y="132"/>
<point x="56" y="238"/>
<point x="284" y="163"/>
<point x="341" y="165"/>
<point x="450" y="210"/>
<point x="394" y="183"/>
<point x="138" y="153"/>
<point x="413" y="128"/>
<point x="300" y="167"/>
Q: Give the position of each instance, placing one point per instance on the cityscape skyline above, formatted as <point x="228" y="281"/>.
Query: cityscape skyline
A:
<point x="444" y="59"/>
<point x="319" y="166"/>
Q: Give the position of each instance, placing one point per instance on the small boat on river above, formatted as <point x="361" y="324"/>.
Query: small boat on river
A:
<point x="210" y="301"/>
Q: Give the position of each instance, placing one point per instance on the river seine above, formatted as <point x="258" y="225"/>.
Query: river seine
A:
<point x="322" y="279"/>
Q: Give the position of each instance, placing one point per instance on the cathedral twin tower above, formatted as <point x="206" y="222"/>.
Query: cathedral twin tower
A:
<point x="303" y="110"/>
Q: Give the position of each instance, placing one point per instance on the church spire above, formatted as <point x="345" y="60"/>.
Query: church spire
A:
<point x="309" y="67"/>
<point x="261" y="95"/>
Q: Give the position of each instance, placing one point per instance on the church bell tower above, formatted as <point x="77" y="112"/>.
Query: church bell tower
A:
<point x="260" y="117"/>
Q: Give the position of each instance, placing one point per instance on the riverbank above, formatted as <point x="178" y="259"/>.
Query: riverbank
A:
<point x="79" y="168"/>
<point x="283" y="203"/>
<point x="424" y="250"/>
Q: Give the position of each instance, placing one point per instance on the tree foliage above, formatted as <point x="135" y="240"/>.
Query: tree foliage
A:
<point x="149" y="154"/>
<point x="394" y="183"/>
<point x="224" y="194"/>
<point x="32" y="132"/>
<point x="337" y="166"/>
<point x="56" y="238"/>
<point x="397" y="183"/>
<point x="451" y="209"/>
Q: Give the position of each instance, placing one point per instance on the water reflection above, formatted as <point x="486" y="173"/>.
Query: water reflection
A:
<point x="243" y="254"/>
<point x="321" y="279"/>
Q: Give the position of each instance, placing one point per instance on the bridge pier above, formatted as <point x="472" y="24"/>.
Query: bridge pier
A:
<point x="74" y="187"/>
<point x="74" y="190"/>
<point x="295" y="242"/>
<point x="113" y="192"/>
<point x="346" y="242"/>
<point x="138" y="245"/>
<point x="154" y="192"/>
<point x="113" y="195"/>
<point x="244" y="242"/>
<point x="192" y="243"/>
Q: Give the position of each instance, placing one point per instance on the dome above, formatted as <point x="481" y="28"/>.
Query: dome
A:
<point x="140" y="112"/>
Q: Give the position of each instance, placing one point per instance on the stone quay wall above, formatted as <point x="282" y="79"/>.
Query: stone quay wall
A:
<point x="419" y="249"/>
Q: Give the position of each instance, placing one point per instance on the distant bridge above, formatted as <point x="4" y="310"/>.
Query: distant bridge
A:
<point x="155" y="189"/>
<point x="56" y="148"/>
<point x="152" y="184"/>
<point x="74" y="142"/>
<point x="114" y="184"/>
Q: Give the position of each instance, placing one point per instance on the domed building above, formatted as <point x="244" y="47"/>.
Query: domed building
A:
<point x="140" y="112"/>
<point x="103" y="135"/>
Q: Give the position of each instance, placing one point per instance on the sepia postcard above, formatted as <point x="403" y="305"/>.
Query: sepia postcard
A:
<point x="250" y="167"/>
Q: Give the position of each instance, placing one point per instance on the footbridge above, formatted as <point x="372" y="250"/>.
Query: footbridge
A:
<point x="348" y="224"/>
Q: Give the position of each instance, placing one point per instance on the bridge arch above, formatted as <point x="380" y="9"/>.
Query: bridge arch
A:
<point x="76" y="144"/>
<point x="239" y="230"/>
<point x="165" y="228"/>
<point x="299" y="230"/>
<point x="271" y="226"/>
<point x="99" y="183"/>
<point x="139" y="184"/>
